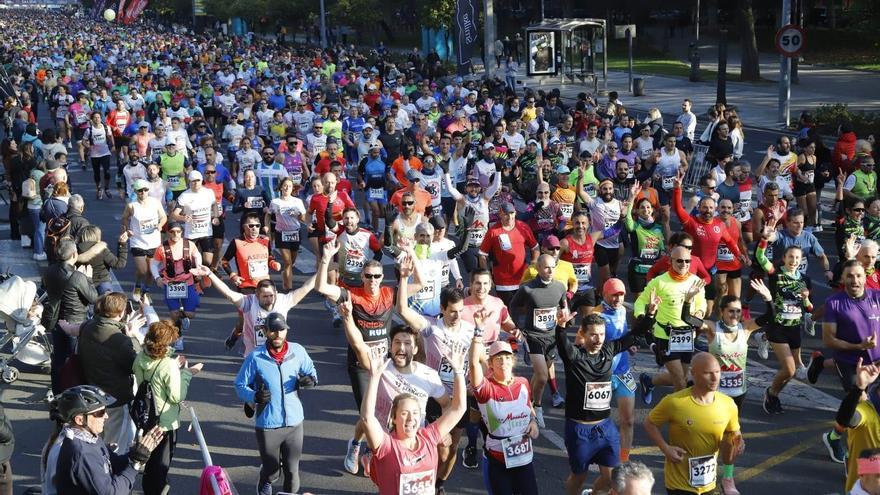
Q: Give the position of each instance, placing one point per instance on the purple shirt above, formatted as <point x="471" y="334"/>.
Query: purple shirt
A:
<point x="856" y="320"/>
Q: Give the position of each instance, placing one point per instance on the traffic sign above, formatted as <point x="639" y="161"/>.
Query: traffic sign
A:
<point x="790" y="40"/>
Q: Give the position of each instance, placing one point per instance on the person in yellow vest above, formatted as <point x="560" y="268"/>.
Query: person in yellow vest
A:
<point x="174" y="167"/>
<point x="862" y="184"/>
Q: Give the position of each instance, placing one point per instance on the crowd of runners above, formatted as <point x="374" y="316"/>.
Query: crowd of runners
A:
<point x="509" y="218"/>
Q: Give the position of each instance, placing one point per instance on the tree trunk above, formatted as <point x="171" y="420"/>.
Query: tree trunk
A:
<point x="750" y="67"/>
<point x="711" y="10"/>
<point x="832" y="15"/>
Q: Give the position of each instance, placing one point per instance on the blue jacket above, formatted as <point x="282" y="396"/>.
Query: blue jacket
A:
<point x="259" y="369"/>
<point x="86" y="467"/>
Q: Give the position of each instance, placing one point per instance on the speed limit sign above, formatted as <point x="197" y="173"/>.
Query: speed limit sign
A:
<point x="790" y="40"/>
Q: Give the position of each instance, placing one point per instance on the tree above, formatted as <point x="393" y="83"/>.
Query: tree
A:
<point x="750" y="67"/>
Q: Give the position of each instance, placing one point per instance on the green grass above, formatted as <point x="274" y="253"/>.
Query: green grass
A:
<point x="656" y="66"/>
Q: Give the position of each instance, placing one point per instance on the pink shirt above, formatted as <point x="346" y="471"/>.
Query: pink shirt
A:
<point x="496" y="314"/>
<point x="396" y="469"/>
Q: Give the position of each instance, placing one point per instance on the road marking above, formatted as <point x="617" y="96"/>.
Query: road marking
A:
<point x="555" y="439"/>
<point x="652" y="450"/>
<point x="775" y="460"/>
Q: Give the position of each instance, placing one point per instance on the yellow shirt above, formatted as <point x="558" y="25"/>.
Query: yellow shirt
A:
<point x="697" y="429"/>
<point x="529" y="114"/>
<point x="564" y="273"/>
<point x="672" y="296"/>
<point x="866" y="435"/>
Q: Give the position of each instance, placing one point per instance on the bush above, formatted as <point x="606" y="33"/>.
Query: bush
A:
<point x="829" y="117"/>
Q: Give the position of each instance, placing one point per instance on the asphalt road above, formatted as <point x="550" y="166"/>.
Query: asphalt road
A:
<point x="783" y="453"/>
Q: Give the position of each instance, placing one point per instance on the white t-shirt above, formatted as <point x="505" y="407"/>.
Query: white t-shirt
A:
<point x="514" y="142"/>
<point x="287" y="212"/>
<point x="423" y="382"/>
<point x="198" y="205"/>
<point x="255" y="316"/>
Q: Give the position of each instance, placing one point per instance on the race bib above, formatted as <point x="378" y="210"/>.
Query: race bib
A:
<point x="176" y="290"/>
<point x="544" y="318"/>
<point x="444" y="273"/>
<point x="378" y="349"/>
<point x="628" y="380"/>
<point x="292" y="236"/>
<point x="649" y="254"/>
<point x="258" y="268"/>
<point x="377" y="193"/>
<point x="81" y="118"/>
<point x="253" y="202"/>
<point x="259" y="334"/>
<point x="475" y="237"/>
<point x="504" y="241"/>
<point x="426" y="293"/>
<point x="811" y="176"/>
<point x="517" y="451"/>
<point x="791" y="310"/>
<point x="296" y="178"/>
<point x="582" y="273"/>
<point x="668" y="182"/>
<point x="201" y="228"/>
<point x="724" y="253"/>
<point x="174" y="181"/>
<point x="567" y="209"/>
<point x="597" y="396"/>
<point x="702" y="470"/>
<point x="354" y="263"/>
<point x="731" y="382"/>
<point x="148" y="226"/>
<point x="681" y="341"/>
<point x="446" y="372"/>
<point x="417" y="483"/>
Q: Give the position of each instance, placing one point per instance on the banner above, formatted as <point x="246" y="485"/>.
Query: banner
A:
<point x="120" y="12"/>
<point x="134" y="10"/>
<point x="466" y="40"/>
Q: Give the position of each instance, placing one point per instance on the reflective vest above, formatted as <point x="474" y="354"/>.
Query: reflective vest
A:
<point x="865" y="186"/>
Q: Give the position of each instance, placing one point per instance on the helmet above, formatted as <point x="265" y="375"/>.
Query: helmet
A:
<point x="81" y="399"/>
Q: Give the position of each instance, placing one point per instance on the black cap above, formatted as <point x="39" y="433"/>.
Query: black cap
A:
<point x="276" y="322"/>
<point x="437" y="222"/>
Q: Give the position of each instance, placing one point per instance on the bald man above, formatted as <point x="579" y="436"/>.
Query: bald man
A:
<point x="702" y="423"/>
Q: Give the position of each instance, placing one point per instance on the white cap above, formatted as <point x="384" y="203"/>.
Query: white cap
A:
<point x="195" y="175"/>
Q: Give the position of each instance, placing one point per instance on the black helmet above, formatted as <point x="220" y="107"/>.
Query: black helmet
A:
<point x="81" y="399"/>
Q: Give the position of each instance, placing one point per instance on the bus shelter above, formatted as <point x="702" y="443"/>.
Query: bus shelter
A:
<point x="573" y="49"/>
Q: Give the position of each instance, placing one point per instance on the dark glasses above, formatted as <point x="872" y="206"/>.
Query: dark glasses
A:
<point x="253" y="225"/>
<point x="374" y="276"/>
<point x="683" y="261"/>
<point x="100" y="413"/>
<point x="410" y="203"/>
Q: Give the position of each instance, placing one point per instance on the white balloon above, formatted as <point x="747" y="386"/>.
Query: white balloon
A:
<point x="109" y="15"/>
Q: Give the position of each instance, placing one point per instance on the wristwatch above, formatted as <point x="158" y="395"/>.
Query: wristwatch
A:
<point x="478" y="333"/>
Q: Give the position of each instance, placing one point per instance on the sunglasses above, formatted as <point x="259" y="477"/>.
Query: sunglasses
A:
<point x="253" y="225"/>
<point x="318" y="127"/>
<point x="410" y="203"/>
<point x="683" y="261"/>
<point x="374" y="276"/>
<point x="100" y="413"/>
<point x="554" y="248"/>
<point x="270" y="153"/>
<point x="859" y="210"/>
<point x="210" y="172"/>
<point x="142" y="190"/>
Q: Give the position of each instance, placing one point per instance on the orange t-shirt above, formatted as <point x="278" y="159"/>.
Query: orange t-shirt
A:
<point x="414" y="163"/>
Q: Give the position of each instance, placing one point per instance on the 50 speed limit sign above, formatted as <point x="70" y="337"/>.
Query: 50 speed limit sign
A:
<point x="790" y="40"/>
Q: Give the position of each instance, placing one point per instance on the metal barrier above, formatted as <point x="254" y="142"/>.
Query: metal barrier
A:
<point x="697" y="168"/>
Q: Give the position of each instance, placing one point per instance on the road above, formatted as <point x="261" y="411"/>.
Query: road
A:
<point x="784" y="452"/>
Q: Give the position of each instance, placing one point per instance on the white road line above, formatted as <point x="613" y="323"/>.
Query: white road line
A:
<point x="555" y="439"/>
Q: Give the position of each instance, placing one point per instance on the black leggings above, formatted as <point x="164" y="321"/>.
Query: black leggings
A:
<point x="513" y="481"/>
<point x="156" y="470"/>
<point x="98" y="163"/>
<point x="281" y="449"/>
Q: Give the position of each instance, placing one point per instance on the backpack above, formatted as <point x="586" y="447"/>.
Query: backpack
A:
<point x="57" y="230"/>
<point x="169" y="259"/>
<point x="142" y="408"/>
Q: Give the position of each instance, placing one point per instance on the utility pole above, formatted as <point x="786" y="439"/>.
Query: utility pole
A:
<point x="785" y="72"/>
<point x="323" y="26"/>
<point x="489" y="36"/>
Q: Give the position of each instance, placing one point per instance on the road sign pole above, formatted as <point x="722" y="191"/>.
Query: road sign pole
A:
<point x="629" y="45"/>
<point x="785" y="72"/>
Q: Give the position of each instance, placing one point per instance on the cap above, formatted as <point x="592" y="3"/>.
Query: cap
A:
<point x="554" y="140"/>
<point x="276" y="322"/>
<point x="140" y="184"/>
<point x="195" y="175"/>
<point x="508" y="208"/>
<point x="474" y="181"/>
<point x="460" y="113"/>
<point x="437" y="222"/>
<point x="376" y="146"/>
<point x="613" y="286"/>
<point x="532" y="141"/>
<point x="551" y="241"/>
<point x="585" y="154"/>
<point x="498" y="347"/>
<point x="413" y="175"/>
<point x="367" y="126"/>
<point x="562" y="169"/>
<point x="488" y="146"/>
<point x="175" y="225"/>
<point x="144" y="125"/>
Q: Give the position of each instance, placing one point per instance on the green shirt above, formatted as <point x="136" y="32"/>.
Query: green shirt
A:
<point x="169" y="383"/>
<point x="672" y="294"/>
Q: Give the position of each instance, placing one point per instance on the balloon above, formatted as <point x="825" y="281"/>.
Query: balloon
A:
<point x="109" y="15"/>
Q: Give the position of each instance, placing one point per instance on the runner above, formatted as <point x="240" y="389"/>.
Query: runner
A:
<point x="287" y="213"/>
<point x="144" y="219"/>
<point x="476" y="198"/>
<point x="372" y="171"/>
<point x="702" y="424"/>
<point x="507" y="243"/>
<point x="659" y="306"/>
<point x="646" y="241"/>
<point x="174" y="166"/>
<point x="98" y="141"/>
<point x="197" y="208"/>
<point x="170" y="266"/>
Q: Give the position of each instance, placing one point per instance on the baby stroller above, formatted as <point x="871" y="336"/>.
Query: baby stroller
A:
<point x="20" y="308"/>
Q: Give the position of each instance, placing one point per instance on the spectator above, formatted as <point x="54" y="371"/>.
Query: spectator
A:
<point x="75" y="207"/>
<point x="107" y="349"/>
<point x="7" y="444"/>
<point x="94" y="252"/>
<point x="631" y="478"/>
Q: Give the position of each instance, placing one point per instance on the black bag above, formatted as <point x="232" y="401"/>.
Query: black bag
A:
<point x="143" y="407"/>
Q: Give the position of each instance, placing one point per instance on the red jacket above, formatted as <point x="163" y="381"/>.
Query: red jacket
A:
<point x="846" y="145"/>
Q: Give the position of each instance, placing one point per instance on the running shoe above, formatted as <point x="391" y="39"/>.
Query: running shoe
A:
<point x="817" y="228"/>
<point x="815" y="367"/>
<point x="647" y="388"/>
<point x="728" y="487"/>
<point x="771" y="403"/>
<point x="801" y="373"/>
<point x="351" y="456"/>
<point x="107" y="193"/>
<point x="836" y="448"/>
<point x="184" y="324"/>
<point x="264" y="488"/>
<point x="440" y="491"/>
<point x="763" y="347"/>
<point x="539" y="416"/>
<point x="365" y="462"/>
<point x="40" y="256"/>
<point x="469" y="459"/>
<point x="558" y="400"/>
